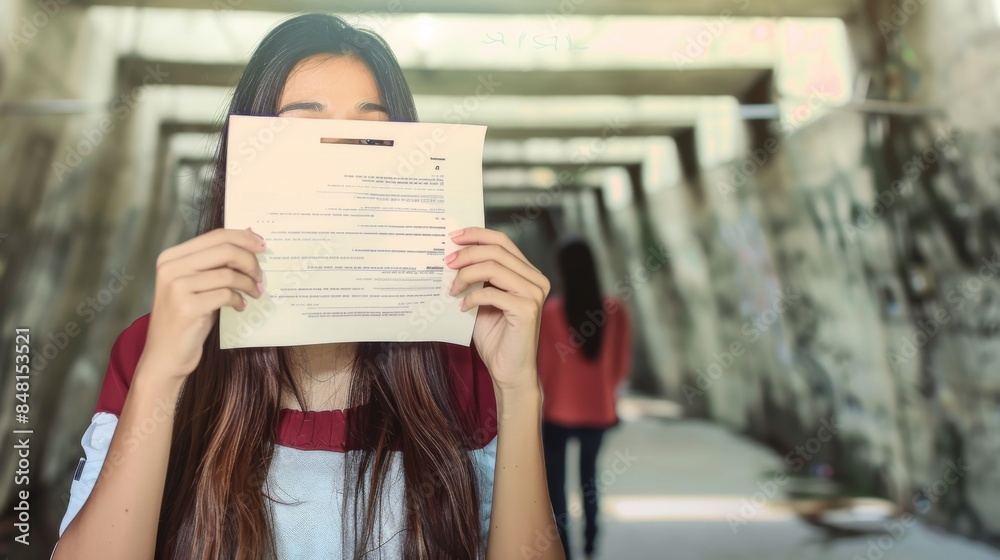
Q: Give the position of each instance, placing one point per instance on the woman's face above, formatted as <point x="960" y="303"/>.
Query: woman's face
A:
<point x="330" y="86"/>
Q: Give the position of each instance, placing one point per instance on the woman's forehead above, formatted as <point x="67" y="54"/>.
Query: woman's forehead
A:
<point x="333" y="80"/>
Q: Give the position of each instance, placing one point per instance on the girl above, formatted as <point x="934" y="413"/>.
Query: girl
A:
<point x="364" y="450"/>
<point x="584" y="354"/>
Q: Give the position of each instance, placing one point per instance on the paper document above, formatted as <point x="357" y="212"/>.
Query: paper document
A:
<point x="355" y="215"/>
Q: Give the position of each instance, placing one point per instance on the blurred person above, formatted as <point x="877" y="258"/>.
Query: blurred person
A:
<point x="369" y="449"/>
<point x="584" y="354"/>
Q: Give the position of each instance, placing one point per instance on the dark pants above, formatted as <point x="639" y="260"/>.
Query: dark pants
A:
<point x="555" y="438"/>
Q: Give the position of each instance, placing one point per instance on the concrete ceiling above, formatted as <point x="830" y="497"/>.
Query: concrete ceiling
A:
<point x="710" y="8"/>
<point x="624" y="56"/>
<point x="721" y="81"/>
<point x="628" y="59"/>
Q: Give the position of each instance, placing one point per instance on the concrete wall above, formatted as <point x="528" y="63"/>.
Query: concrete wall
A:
<point x="856" y="300"/>
<point x="76" y="205"/>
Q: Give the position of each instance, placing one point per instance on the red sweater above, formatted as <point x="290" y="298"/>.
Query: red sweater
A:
<point x="471" y="386"/>
<point x="579" y="392"/>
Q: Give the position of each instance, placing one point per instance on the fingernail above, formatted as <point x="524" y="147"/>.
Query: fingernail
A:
<point x="448" y="258"/>
<point x="257" y="234"/>
<point x="457" y="232"/>
<point x="260" y="287"/>
<point x="451" y="288"/>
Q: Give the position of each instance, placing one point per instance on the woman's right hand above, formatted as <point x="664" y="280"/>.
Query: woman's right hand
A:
<point x="193" y="281"/>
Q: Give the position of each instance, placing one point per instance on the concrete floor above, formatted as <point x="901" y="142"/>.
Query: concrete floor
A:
<point x="686" y="476"/>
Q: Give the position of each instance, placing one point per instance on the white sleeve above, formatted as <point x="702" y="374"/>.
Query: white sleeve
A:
<point x="95" y="443"/>
<point x="485" y="460"/>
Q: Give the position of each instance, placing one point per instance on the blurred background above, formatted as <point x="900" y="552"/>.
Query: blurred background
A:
<point x="797" y="200"/>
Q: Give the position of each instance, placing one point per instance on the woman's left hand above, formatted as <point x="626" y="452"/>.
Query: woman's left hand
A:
<point x="510" y="304"/>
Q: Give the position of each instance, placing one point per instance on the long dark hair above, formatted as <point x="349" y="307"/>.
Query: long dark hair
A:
<point x="581" y="293"/>
<point x="215" y="503"/>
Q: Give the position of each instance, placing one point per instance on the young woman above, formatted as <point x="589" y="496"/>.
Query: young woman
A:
<point x="365" y="450"/>
<point x="584" y="354"/>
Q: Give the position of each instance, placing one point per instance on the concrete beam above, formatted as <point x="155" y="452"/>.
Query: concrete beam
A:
<point x="464" y="82"/>
<point x="496" y="131"/>
<point x="557" y="154"/>
<point x="523" y="133"/>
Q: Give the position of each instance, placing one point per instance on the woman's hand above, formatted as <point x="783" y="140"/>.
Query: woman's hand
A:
<point x="510" y="304"/>
<point x="506" y="334"/>
<point x="193" y="280"/>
